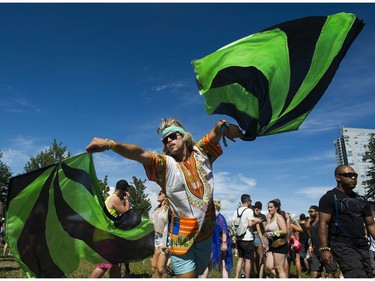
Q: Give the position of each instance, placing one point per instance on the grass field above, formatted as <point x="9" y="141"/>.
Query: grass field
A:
<point x="9" y="268"/>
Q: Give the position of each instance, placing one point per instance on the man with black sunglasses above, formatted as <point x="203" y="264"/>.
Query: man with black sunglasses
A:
<point x="344" y="217"/>
<point x="185" y="175"/>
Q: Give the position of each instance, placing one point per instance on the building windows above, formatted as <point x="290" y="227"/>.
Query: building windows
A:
<point x="350" y="148"/>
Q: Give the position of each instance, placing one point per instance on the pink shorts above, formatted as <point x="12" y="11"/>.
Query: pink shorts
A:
<point x="104" y="265"/>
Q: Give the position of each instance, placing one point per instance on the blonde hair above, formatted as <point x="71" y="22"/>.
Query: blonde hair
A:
<point x="187" y="137"/>
<point x="217" y="205"/>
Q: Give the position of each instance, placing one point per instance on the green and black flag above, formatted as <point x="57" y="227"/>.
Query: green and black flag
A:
<point x="56" y="217"/>
<point x="270" y="81"/>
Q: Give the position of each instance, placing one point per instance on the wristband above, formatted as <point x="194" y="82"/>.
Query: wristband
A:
<point x="222" y="128"/>
<point x="276" y="233"/>
<point x="322" y="249"/>
<point x="111" y="144"/>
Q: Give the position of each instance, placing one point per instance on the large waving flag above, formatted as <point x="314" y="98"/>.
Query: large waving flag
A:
<point x="56" y="216"/>
<point x="270" y="81"/>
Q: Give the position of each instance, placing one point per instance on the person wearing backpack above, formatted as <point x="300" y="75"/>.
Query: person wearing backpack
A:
<point x="344" y="217"/>
<point x="242" y="223"/>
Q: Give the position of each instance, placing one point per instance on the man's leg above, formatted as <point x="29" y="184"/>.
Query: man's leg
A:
<point x="239" y="267"/>
<point x="316" y="266"/>
<point x="240" y="258"/>
<point x="247" y="267"/>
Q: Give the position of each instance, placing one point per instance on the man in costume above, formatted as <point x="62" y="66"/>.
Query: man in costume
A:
<point x="184" y="173"/>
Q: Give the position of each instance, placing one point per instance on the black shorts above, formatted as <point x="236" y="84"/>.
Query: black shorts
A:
<point x="317" y="264"/>
<point x="245" y="249"/>
<point x="354" y="262"/>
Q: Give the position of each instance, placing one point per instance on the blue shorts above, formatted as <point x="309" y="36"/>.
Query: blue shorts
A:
<point x="196" y="259"/>
<point x="257" y="241"/>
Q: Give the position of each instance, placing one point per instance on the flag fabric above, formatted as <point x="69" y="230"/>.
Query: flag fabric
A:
<point x="270" y="81"/>
<point x="56" y="216"/>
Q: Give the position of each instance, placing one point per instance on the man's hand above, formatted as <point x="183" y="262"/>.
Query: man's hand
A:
<point x="224" y="247"/>
<point x="232" y="132"/>
<point x="97" y="145"/>
<point x="327" y="257"/>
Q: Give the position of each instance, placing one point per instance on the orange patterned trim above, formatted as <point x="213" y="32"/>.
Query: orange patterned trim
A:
<point x="158" y="170"/>
<point x="192" y="178"/>
<point x="209" y="148"/>
<point x="182" y="234"/>
<point x="208" y="224"/>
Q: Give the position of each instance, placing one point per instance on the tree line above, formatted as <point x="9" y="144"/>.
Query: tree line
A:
<point x="139" y="199"/>
<point x="56" y="153"/>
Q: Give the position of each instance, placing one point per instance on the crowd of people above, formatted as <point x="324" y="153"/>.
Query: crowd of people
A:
<point x="192" y="237"/>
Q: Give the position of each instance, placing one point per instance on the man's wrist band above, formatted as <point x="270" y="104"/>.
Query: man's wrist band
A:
<point x="322" y="249"/>
<point x="222" y="128"/>
<point x="111" y="144"/>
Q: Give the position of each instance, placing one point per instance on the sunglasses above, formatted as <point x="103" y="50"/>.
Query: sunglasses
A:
<point x="172" y="136"/>
<point x="349" y="175"/>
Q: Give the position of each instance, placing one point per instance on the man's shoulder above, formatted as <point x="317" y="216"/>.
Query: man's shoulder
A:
<point x="334" y="190"/>
<point x="242" y="210"/>
<point x="358" y="196"/>
<point x="327" y="201"/>
<point x="248" y="212"/>
<point x="330" y="193"/>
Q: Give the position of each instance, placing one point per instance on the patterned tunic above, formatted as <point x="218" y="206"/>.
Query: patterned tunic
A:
<point x="189" y="188"/>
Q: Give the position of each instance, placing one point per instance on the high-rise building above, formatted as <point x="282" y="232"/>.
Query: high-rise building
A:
<point x="350" y="148"/>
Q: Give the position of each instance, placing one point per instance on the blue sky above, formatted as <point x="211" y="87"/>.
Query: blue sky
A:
<point x="74" y="71"/>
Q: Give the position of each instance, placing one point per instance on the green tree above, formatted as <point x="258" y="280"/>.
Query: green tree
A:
<point x="5" y="174"/>
<point x="370" y="156"/>
<point x="138" y="198"/>
<point x="104" y="187"/>
<point x="55" y="153"/>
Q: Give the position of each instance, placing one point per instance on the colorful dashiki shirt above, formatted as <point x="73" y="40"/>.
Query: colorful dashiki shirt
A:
<point x="189" y="188"/>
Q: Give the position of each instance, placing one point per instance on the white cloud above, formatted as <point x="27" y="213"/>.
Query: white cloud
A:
<point x="16" y="102"/>
<point x="15" y="159"/>
<point x="20" y="152"/>
<point x="228" y="188"/>
<point x="314" y="192"/>
<point x="169" y="86"/>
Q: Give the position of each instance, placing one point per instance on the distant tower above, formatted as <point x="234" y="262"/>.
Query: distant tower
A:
<point x="350" y="148"/>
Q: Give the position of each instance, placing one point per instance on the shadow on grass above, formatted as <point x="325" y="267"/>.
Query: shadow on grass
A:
<point x="134" y="275"/>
